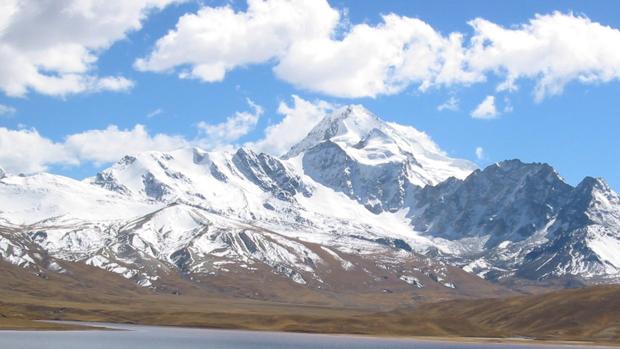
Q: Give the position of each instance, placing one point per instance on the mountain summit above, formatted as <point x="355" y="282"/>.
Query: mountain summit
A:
<point x="368" y="140"/>
<point x="359" y="206"/>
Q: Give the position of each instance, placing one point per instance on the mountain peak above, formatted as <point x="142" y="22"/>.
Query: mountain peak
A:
<point x="590" y="184"/>
<point x="596" y="194"/>
<point x="349" y="124"/>
<point x="353" y="112"/>
<point x="368" y="140"/>
<point x="2" y="173"/>
<point x="518" y="163"/>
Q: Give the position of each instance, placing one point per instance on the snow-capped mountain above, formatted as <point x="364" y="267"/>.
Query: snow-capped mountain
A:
<point x="371" y="161"/>
<point x="523" y="219"/>
<point x="584" y="238"/>
<point x="359" y="205"/>
<point x="370" y="141"/>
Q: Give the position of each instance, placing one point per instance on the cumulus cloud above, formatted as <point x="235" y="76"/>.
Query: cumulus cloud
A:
<point x="297" y="121"/>
<point x="486" y="109"/>
<point x="551" y="49"/>
<point x="367" y="61"/>
<point x="235" y="127"/>
<point x="315" y="47"/>
<point x="51" y="46"/>
<point x="215" y="40"/>
<point x="25" y="150"/>
<point x="452" y="104"/>
<point x="111" y="143"/>
<point x="373" y="60"/>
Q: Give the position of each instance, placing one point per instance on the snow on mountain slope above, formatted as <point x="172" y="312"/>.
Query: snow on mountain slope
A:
<point x="357" y="202"/>
<point x="585" y="237"/>
<point x="202" y="245"/>
<point x="368" y="140"/>
<point x="373" y="162"/>
<point x="30" y="198"/>
<point x="523" y="219"/>
<point x="238" y="183"/>
<point x="206" y="213"/>
<point x="509" y="200"/>
<point x="243" y="185"/>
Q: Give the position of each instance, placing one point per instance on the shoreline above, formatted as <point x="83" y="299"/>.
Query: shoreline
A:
<point x="76" y="325"/>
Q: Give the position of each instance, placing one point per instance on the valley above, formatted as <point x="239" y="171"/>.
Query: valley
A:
<point x="581" y="315"/>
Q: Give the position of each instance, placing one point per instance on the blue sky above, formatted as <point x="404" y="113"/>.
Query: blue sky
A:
<point x="573" y="127"/>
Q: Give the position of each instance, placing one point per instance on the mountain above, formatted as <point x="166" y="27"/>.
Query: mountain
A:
<point x="371" y="161"/>
<point x="584" y="238"/>
<point x="360" y="208"/>
<point x="516" y="219"/>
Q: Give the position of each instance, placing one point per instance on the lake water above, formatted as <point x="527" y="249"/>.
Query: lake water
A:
<point x="154" y="337"/>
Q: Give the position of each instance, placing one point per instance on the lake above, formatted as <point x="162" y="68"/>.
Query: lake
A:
<point x="155" y="337"/>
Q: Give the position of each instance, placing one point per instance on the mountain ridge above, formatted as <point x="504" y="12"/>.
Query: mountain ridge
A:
<point x="358" y="204"/>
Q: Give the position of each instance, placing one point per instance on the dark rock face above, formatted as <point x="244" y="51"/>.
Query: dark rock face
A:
<point x="508" y="201"/>
<point x="217" y="173"/>
<point x="107" y="181"/>
<point x="536" y="226"/>
<point x="585" y="218"/>
<point x="379" y="188"/>
<point x="182" y="259"/>
<point x="269" y="174"/>
<point x="510" y="219"/>
<point x="153" y="188"/>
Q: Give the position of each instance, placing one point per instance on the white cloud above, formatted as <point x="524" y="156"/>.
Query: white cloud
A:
<point x="480" y="154"/>
<point x="51" y="46"/>
<point x="7" y="110"/>
<point x="314" y="47"/>
<point x="452" y="104"/>
<point x="298" y="119"/>
<point x="235" y="127"/>
<point x="109" y="83"/>
<point x="373" y="60"/>
<point x="551" y="49"/>
<point x="112" y="143"/>
<point x="367" y="61"/>
<point x="25" y="150"/>
<point x="486" y="109"/>
<point x="215" y="40"/>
